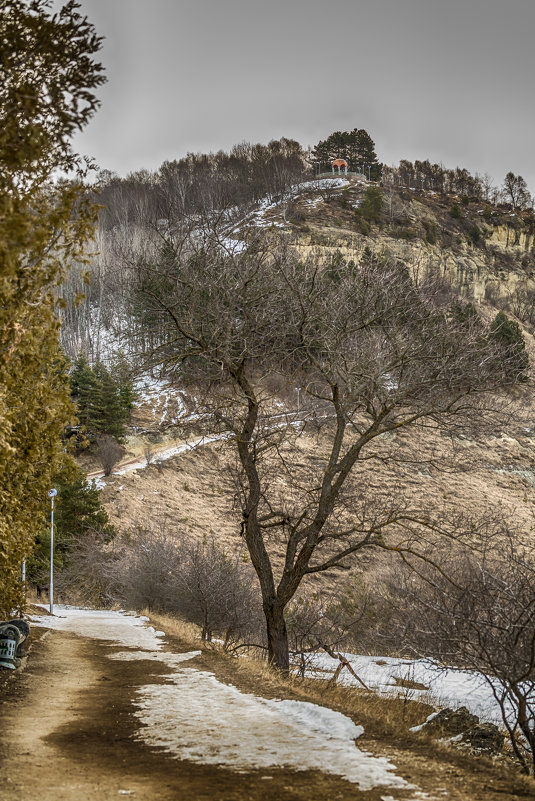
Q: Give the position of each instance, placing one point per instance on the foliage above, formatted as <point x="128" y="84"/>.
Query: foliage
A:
<point x="356" y="147"/>
<point x="508" y="334"/>
<point x="372" y="204"/>
<point x="103" y="402"/>
<point x="46" y="94"/>
<point x="78" y="513"/>
<point x="455" y="211"/>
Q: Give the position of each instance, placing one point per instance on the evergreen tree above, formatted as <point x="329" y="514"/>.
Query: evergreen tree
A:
<point x="46" y="94"/>
<point x="104" y="403"/>
<point x="356" y="147"/>
<point x="372" y="204"/>
<point x="127" y="393"/>
<point x="83" y="390"/>
<point x="77" y="512"/>
<point x="110" y="415"/>
<point x="509" y="334"/>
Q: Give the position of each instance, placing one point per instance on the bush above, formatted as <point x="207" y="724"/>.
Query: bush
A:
<point x="475" y="234"/>
<point x="109" y="452"/>
<point x="508" y="334"/>
<point x="201" y="581"/>
<point x="455" y="211"/>
<point x="371" y="206"/>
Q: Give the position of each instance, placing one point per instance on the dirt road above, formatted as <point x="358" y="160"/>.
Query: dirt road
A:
<point x="93" y="717"/>
<point x="69" y="733"/>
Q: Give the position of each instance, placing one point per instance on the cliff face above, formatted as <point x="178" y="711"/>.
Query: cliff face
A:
<point x="487" y="252"/>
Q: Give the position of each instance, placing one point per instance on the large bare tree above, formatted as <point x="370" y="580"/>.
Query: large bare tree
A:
<point x="356" y="351"/>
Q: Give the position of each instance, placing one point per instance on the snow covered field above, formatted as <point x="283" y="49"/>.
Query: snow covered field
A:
<point x="198" y="718"/>
<point x="444" y="687"/>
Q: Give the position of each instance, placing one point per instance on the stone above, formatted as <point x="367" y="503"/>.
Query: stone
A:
<point x="450" y="722"/>
<point x="485" y="738"/>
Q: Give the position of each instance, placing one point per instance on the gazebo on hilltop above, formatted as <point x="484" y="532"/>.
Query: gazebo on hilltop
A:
<point x="339" y="165"/>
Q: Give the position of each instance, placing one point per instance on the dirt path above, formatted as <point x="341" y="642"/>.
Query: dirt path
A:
<point x="69" y="734"/>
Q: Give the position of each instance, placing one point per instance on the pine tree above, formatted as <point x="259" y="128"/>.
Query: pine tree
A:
<point x="77" y="512"/>
<point x="83" y="389"/>
<point x="110" y="415"/>
<point x="127" y="393"/>
<point x="103" y="403"/>
<point x="356" y="147"/>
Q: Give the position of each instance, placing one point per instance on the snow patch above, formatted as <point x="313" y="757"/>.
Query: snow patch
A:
<point x="198" y="718"/>
<point x="445" y="687"/>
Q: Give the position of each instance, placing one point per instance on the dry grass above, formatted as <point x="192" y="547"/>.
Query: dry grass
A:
<point x="188" y="633"/>
<point x="385" y="716"/>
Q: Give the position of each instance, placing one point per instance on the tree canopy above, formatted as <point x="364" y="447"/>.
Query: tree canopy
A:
<point x="356" y="147"/>
<point x="46" y="94"/>
<point x="373" y="351"/>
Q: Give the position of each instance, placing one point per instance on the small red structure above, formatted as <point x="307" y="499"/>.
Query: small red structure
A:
<point x="339" y="164"/>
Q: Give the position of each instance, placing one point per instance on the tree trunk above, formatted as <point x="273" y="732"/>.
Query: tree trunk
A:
<point x="277" y="636"/>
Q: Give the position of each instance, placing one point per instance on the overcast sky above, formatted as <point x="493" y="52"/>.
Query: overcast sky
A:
<point x="448" y="80"/>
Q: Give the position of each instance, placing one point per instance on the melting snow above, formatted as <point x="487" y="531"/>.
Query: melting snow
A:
<point x="198" y="718"/>
<point x="445" y="687"/>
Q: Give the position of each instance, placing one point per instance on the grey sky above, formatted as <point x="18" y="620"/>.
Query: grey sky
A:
<point x="448" y="80"/>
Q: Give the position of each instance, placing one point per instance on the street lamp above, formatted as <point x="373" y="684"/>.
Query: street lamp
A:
<point x="51" y="494"/>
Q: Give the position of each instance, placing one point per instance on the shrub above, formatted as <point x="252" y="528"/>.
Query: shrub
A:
<point x="455" y="211"/>
<point x="109" y="452"/>
<point x="475" y="234"/>
<point x="508" y="334"/>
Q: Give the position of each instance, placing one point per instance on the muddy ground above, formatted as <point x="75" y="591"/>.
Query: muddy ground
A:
<point x="68" y="732"/>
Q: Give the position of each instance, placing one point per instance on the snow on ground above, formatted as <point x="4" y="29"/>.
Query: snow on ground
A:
<point x="198" y="718"/>
<point x="445" y="687"/>
<point x="157" y="392"/>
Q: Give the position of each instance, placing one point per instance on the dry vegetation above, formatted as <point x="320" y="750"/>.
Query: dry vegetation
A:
<point x="437" y="769"/>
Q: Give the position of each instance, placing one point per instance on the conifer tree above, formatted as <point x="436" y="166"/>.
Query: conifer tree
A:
<point x="356" y="147"/>
<point x="78" y="512"/>
<point x="83" y="389"/>
<point x="508" y="333"/>
<point x="46" y="94"/>
<point x="103" y="403"/>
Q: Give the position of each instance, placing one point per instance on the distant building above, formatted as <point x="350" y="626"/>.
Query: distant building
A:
<point x="339" y="165"/>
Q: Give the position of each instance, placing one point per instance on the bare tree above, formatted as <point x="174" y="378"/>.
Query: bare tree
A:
<point x="373" y="351"/>
<point x="478" y="613"/>
<point x="515" y="191"/>
<point x="149" y="453"/>
<point x="109" y="452"/>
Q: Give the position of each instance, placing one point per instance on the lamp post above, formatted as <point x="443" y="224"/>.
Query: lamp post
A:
<point x="51" y="494"/>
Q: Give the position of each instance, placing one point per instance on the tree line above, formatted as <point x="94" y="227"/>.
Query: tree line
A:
<point x="424" y="175"/>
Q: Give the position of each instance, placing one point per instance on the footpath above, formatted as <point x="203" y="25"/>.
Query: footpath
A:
<point x="93" y="716"/>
